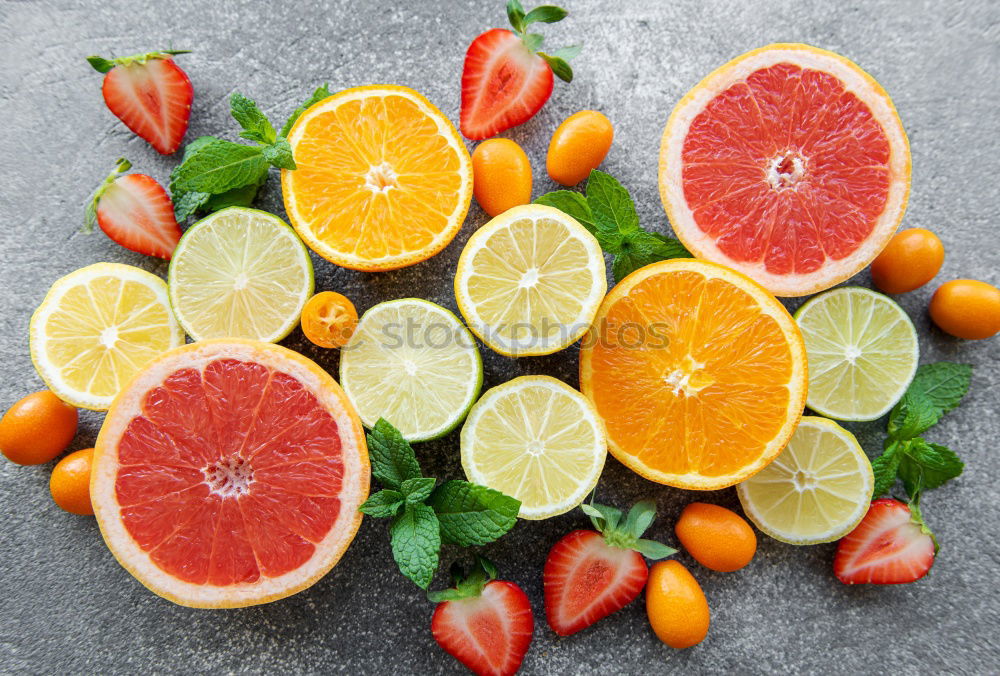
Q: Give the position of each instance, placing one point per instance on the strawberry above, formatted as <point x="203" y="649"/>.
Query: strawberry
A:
<point x="891" y="545"/>
<point x="484" y="623"/>
<point x="506" y="79"/>
<point x="591" y="574"/>
<point x="150" y="94"/>
<point x="135" y="211"/>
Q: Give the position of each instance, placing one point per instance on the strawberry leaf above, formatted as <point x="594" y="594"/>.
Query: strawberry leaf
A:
<point x="559" y="67"/>
<point x="652" y="549"/>
<point x="545" y="14"/>
<point x="567" y="53"/>
<point x="100" y="64"/>
<point x="515" y="14"/>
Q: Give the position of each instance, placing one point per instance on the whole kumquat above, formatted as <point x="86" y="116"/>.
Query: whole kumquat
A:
<point x="70" y="482"/>
<point x="967" y="308"/>
<point x="578" y="145"/>
<point x="676" y="605"/>
<point x="910" y="260"/>
<point x="717" y="538"/>
<point x="329" y="319"/>
<point x="37" y="428"/>
<point x="501" y="175"/>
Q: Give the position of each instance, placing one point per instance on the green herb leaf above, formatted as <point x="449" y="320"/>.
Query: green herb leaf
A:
<point x="416" y="543"/>
<point x="279" y="154"/>
<point x="218" y="166"/>
<point x="100" y="64"/>
<point x="560" y="68"/>
<point x="533" y="41"/>
<point x="612" y="207"/>
<point x="418" y="489"/>
<point x="188" y="203"/>
<point x="392" y="458"/>
<point x="572" y="203"/>
<point x="237" y="197"/>
<point x="545" y="14"/>
<point x="193" y="147"/>
<point x="912" y="416"/>
<point x="256" y="126"/>
<point x="652" y="549"/>
<point x="472" y="515"/>
<point x="602" y="516"/>
<point x="383" y="504"/>
<point x="885" y="468"/>
<point x="943" y="384"/>
<point x="466" y="587"/>
<point x="515" y="14"/>
<point x="642" y="248"/>
<point x="924" y="466"/>
<point x="321" y="93"/>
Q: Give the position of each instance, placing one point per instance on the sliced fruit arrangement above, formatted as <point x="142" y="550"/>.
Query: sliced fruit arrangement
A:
<point x="716" y="537"/>
<point x="676" y="605"/>
<point x="890" y="546"/>
<point x="229" y="473"/>
<point x="412" y="362"/>
<point x="698" y="373"/>
<point x="862" y="350"/>
<point x="150" y="94"/>
<point x="96" y="328"/>
<point x="537" y="440"/>
<point x="37" y="428"/>
<point x="788" y="164"/>
<point x="136" y="212"/>
<point x="578" y="146"/>
<point x="240" y="273"/>
<point x="816" y="490"/>
<point x="530" y="281"/>
<point x="501" y="175"/>
<point x="383" y="180"/>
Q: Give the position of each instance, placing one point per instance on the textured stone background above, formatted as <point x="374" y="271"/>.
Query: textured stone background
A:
<point x="66" y="606"/>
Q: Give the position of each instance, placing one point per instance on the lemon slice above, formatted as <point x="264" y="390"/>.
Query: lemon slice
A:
<point x="817" y="490"/>
<point x="96" y="328"/>
<point x="530" y="281"/>
<point x="413" y="363"/>
<point x="535" y="439"/>
<point x="862" y="352"/>
<point x="240" y="273"/>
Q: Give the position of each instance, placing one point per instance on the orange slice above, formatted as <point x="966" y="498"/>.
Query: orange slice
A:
<point x="697" y="371"/>
<point x="788" y="164"/>
<point x="383" y="178"/>
<point x="229" y="473"/>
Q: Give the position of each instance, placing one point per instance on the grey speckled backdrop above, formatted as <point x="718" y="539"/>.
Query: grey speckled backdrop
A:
<point x="66" y="606"/>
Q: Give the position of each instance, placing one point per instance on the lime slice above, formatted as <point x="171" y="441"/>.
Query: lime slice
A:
<point x="817" y="490"/>
<point x="240" y="273"/>
<point x="413" y="363"/>
<point x="862" y="352"/>
<point x="97" y="327"/>
<point x="535" y="439"/>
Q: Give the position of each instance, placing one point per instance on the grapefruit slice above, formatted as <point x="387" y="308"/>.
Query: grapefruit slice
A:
<point x="788" y="164"/>
<point x="229" y="473"/>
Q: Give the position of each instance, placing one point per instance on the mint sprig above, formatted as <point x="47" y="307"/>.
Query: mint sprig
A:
<point x="627" y="534"/>
<point x="608" y="212"/>
<point x="424" y="514"/>
<point x="520" y="21"/>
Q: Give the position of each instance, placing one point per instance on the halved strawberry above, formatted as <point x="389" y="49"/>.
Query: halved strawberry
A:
<point x="506" y="80"/>
<point x="484" y="623"/>
<point x="150" y="94"/>
<point x="592" y="574"/>
<point x="135" y="211"/>
<point x="891" y="545"/>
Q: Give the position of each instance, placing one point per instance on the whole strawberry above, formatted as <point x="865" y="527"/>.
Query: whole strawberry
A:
<point x="150" y="94"/>
<point x="891" y="545"/>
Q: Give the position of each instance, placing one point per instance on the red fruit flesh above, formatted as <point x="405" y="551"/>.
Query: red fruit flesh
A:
<point x="503" y="84"/>
<point x="490" y="633"/>
<point x="887" y="547"/>
<point x="153" y="99"/>
<point x="136" y="212"/>
<point x="586" y="580"/>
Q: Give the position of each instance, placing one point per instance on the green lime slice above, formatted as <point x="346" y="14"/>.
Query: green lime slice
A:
<point x="862" y="351"/>
<point x="413" y="363"/>
<point x="240" y="273"/>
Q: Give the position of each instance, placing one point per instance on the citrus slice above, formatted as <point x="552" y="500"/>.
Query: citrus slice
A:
<point x="383" y="180"/>
<point x="535" y="439"/>
<point x="862" y="351"/>
<point x="96" y="328"/>
<point x="817" y="490"/>
<point x="788" y="164"/>
<point x="529" y="281"/>
<point x="413" y="363"/>
<point x="229" y="473"/>
<point x="697" y="371"/>
<point x="240" y="273"/>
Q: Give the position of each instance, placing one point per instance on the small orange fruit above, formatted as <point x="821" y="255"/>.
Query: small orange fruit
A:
<point x="329" y="319"/>
<point x="70" y="482"/>
<point x="578" y="145"/>
<point x="676" y="605"/>
<point x="37" y="428"/>
<point x="717" y="538"/>
<point x="910" y="260"/>
<point x="501" y="175"/>
<point x="967" y="308"/>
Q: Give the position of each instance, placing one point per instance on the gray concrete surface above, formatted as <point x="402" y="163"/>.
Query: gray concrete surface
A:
<point x="67" y="607"/>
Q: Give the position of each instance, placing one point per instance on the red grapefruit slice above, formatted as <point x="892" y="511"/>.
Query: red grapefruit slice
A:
<point x="788" y="164"/>
<point x="229" y="473"/>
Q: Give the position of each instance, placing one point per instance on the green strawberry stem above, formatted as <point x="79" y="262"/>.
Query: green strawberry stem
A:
<point x="121" y="166"/>
<point x="628" y="534"/>
<point x="102" y="65"/>
<point x="465" y="587"/>
<point x="558" y="60"/>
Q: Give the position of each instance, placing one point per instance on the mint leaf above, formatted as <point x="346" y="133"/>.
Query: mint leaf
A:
<point x="321" y="93"/>
<point x="193" y="147"/>
<point x="416" y="543"/>
<point x="188" y="203"/>
<point x="943" y="384"/>
<point x="545" y="14"/>
<point x="218" y="166"/>
<point x="383" y="504"/>
<point x="652" y="549"/>
<point x="256" y="126"/>
<point x="911" y="416"/>
<point x="572" y="203"/>
<point x="885" y="468"/>
<point x="418" y="489"/>
<point x="237" y="197"/>
<point x="280" y="154"/>
<point x="472" y="515"/>
<point x="924" y="466"/>
<point x="612" y="207"/>
<point x="392" y="458"/>
<point x="641" y="248"/>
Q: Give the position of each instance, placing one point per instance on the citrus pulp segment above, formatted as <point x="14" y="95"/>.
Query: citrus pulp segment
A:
<point x="788" y="164"/>
<point x="817" y="490"/>
<point x="529" y="281"/>
<point x="96" y="328"/>
<point x="240" y="273"/>
<point x="698" y="373"/>
<point x="413" y="363"/>
<point x="535" y="439"/>
<point x="383" y="180"/>
<point x="862" y="350"/>
<point x="229" y="473"/>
